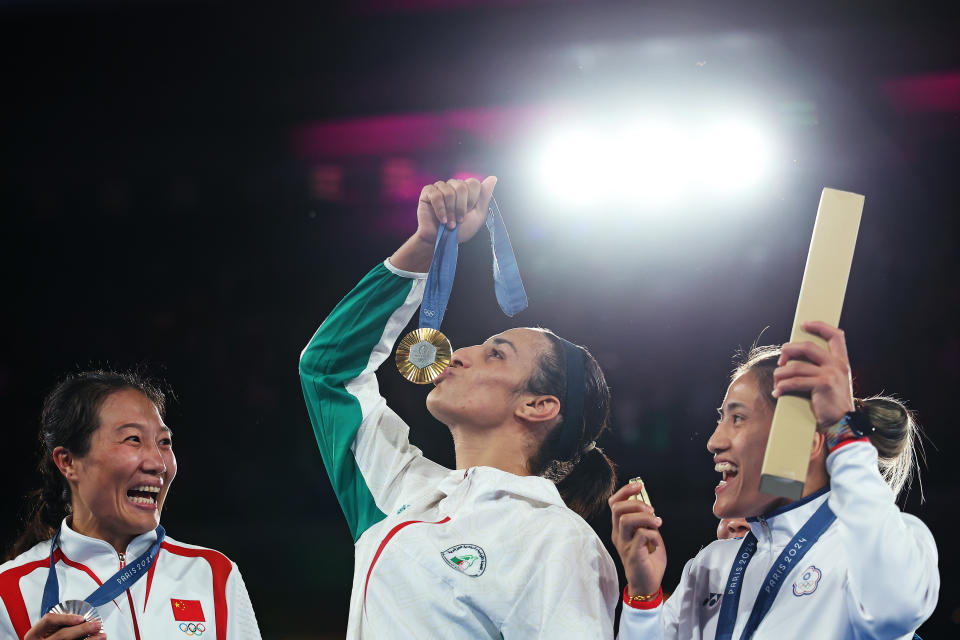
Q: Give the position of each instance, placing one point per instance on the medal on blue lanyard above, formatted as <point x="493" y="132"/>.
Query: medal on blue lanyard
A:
<point x="424" y="353"/>
<point x="798" y="546"/>
<point x="109" y="590"/>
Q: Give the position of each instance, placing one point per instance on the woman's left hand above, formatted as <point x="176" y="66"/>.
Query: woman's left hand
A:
<point x="805" y="367"/>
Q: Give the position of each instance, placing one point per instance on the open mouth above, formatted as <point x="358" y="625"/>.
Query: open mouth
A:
<point x="728" y="469"/>
<point x="144" y="495"/>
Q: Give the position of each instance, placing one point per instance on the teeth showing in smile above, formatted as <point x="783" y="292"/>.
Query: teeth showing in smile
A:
<point x="136" y="495"/>
<point x="726" y="468"/>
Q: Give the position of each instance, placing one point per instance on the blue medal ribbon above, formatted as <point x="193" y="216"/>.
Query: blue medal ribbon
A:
<point x="798" y="546"/>
<point x="506" y="276"/>
<point x="109" y="590"/>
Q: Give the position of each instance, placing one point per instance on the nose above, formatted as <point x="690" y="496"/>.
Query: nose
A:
<point x="719" y="441"/>
<point x="153" y="462"/>
<point x="738" y="527"/>
<point x="461" y="357"/>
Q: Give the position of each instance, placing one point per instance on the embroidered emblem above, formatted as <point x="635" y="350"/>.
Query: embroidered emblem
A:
<point x="402" y="509"/>
<point x="468" y="559"/>
<point x="190" y="629"/>
<point x="807" y="582"/>
<point x="711" y="601"/>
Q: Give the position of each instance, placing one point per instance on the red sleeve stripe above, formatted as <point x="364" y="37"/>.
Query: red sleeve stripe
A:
<point x="12" y="596"/>
<point x="844" y="443"/>
<point x="649" y="604"/>
<point x="221" y="567"/>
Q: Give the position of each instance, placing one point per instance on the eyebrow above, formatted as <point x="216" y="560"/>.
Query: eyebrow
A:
<point x="732" y="406"/>
<point x="505" y="341"/>
<point x="139" y="427"/>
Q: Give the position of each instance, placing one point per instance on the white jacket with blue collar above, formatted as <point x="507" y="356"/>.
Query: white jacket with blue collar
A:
<point x="872" y="574"/>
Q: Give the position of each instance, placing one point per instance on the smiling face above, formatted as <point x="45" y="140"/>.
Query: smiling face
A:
<point x="484" y="384"/>
<point x="738" y="444"/>
<point x="118" y="488"/>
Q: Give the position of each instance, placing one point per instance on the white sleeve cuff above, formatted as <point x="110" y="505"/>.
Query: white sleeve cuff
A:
<point x="404" y="274"/>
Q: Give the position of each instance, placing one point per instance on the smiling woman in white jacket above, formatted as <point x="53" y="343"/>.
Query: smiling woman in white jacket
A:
<point x="494" y="548"/>
<point x="107" y="463"/>
<point x="842" y="562"/>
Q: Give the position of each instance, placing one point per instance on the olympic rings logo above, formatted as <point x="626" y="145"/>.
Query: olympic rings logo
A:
<point x="191" y="629"/>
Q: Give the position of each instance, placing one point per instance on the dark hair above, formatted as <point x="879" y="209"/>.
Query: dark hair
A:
<point x="585" y="478"/>
<point x="70" y="416"/>
<point x="895" y="430"/>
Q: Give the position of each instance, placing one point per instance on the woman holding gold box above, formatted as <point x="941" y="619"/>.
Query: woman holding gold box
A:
<point x="841" y="562"/>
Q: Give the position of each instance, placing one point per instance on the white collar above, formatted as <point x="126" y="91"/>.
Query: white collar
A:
<point x="778" y="526"/>
<point x="94" y="551"/>
<point x="477" y="484"/>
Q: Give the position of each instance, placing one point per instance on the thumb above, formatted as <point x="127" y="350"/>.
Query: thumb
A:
<point x="486" y="192"/>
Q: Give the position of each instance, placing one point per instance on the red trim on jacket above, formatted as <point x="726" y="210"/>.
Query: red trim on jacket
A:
<point x="221" y="567"/>
<point x="12" y="596"/>
<point x="390" y="535"/>
<point x="153" y="568"/>
<point x="844" y="443"/>
<point x="133" y="614"/>
<point x="653" y="603"/>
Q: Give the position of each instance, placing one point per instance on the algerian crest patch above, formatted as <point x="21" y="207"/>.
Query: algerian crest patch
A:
<point x="466" y="558"/>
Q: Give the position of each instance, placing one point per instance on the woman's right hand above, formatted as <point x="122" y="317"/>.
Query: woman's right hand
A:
<point x="64" y="626"/>
<point x="444" y="203"/>
<point x="635" y="528"/>
<point x="453" y="202"/>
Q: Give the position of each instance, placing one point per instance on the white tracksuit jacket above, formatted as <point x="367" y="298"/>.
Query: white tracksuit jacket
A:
<point x="440" y="554"/>
<point x="872" y="574"/>
<point x="203" y="580"/>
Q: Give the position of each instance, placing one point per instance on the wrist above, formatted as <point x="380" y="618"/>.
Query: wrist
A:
<point x="415" y="255"/>
<point x="853" y="426"/>
<point x="637" y="600"/>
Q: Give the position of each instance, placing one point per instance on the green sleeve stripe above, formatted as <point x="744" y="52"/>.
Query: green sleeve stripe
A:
<point x="338" y="353"/>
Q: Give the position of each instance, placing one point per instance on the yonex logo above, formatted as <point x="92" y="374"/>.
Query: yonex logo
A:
<point x="711" y="600"/>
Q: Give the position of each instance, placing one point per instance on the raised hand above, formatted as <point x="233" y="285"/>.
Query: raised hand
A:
<point x="635" y="526"/>
<point x="463" y="202"/>
<point x="805" y="367"/>
<point x="449" y="203"/>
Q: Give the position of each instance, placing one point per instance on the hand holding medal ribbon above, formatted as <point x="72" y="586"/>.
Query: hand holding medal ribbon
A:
<point x="449" y="207"/>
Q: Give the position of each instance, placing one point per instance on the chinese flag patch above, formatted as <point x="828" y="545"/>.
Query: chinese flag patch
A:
<point x="187" y="610"/>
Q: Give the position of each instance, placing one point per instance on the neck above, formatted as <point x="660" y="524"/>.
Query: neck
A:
<point x="497" y="448"/>
<point x="817" y="479"/>
<point x="85" y="524"/>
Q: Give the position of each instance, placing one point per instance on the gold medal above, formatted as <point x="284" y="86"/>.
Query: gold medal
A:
<point x="423" y="354"/>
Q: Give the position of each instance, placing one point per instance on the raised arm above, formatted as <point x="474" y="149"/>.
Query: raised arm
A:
<point x="364" y="444"/>
<point x="894" y="581"/>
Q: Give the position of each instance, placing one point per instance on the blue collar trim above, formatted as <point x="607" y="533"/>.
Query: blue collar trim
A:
<point x="793" y="505"/>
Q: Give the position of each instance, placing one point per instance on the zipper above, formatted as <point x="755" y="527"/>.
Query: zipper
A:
<point x="133" y="612"/>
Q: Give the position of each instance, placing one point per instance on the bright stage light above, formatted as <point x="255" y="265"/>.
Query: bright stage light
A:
<point x="733" y="156"/>
<point x="653" y="162"/>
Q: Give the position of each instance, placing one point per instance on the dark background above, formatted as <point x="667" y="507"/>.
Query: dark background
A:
<point x="174" y="195"/>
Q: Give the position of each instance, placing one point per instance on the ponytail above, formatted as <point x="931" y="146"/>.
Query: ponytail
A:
<point x="894" y="435"/>
<point x="568" y="455"/>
